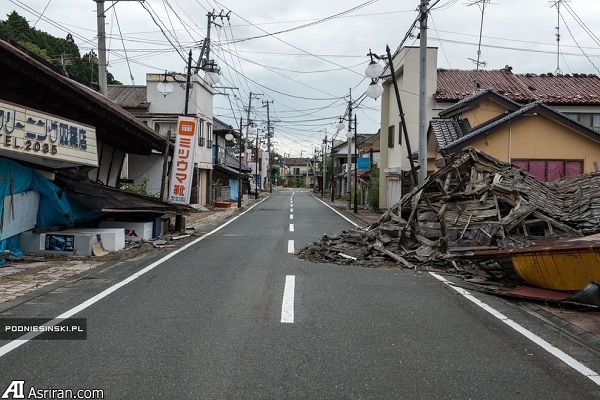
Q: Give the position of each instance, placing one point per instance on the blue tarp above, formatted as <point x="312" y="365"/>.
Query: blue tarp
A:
<point x="56" y="207"/>
<point x="233" y="184"/>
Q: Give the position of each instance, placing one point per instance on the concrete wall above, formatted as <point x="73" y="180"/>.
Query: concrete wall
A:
<point x="395" y="160"/>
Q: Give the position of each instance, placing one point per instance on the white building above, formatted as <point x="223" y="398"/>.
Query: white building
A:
<point x="160" y="112"/>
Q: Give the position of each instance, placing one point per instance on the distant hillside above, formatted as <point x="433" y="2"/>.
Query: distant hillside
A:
<point x="61" y="52"/>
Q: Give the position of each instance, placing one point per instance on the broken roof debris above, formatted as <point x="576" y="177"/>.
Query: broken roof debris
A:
<point x="473" y="203"/>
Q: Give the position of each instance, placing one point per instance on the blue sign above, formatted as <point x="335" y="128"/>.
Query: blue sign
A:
<point x="363" y="163"/>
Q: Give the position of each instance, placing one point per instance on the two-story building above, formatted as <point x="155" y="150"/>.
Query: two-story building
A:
<point x="575" y="95"/>
<point x="160" y="112"/>
<point x="62" y="147"/>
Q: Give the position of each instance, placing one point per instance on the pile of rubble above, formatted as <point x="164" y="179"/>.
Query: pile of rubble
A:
<point x="475" y="202"/>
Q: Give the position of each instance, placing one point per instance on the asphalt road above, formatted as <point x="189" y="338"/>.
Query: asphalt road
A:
<point x="235" y="315"/>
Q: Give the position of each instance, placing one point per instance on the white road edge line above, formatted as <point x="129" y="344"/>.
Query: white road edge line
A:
<point x="561" y="355"/>
<point x="291" y="227"/>
<point x="339" y="213"/>
<point x="287" y="306"/>
<point x="67" y="314"/>
<point x="291" y="246"/>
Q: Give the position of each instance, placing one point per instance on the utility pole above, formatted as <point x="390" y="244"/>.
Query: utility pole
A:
<point x="257" y="167"/>
<point x="240" y="168"/>
<point x="101" y="17"/>
<point x="422" y="92"/>
<point x="102" y="66"/>
<point x="269" y="165"/>
<point x="349" y="164"/>
<point x="187" y="83"/>
<point x="248" y="117"/>
<point x="204" y="59"/>
<point x="324" y="172"/>
<point x="332" y="172"/>
<point x="251" y="96"/>
<point x="247" y="133"/>
<point x="355" y="166"/>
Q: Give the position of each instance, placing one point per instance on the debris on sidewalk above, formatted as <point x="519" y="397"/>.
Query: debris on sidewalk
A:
<point x="473" y="203"/>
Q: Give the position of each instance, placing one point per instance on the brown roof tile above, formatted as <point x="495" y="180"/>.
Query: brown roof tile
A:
<point x="454" y="85"/>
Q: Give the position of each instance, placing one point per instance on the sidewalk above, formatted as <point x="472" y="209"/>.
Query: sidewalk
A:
<point x="20" y="279"/>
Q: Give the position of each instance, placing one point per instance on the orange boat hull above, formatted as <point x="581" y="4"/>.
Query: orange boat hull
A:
<point x="561" y="268"/>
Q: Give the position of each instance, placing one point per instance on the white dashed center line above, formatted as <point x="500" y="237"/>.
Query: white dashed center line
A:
<point x="287" y="306"/>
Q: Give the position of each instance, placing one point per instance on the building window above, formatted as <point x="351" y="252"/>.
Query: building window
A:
<point x="201" y="137"/>
<point x="209" y="135"/>
<point x="400" y="135"/>
<point x="589" y="120"/>
<point x="551" y="170"/>
<point x="391" y="133"/>
<point x="164" y="128"/>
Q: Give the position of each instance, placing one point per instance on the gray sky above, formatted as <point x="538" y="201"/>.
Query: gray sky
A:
<point x="307" y="56"/>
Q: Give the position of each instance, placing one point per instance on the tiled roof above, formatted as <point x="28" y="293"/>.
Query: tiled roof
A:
<point x="455" y="85"/>
<point x="475" y="98"/>
<point x="490" y="125"/>
<point x="128" y="96"/>
<point x="530" y="109"/>
<point x="220" y="125"/>
<point x="446" y="131"/>
<point x="295" y="161"/>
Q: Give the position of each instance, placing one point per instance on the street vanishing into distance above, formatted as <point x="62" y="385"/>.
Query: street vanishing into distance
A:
<point x="234" y="314"/>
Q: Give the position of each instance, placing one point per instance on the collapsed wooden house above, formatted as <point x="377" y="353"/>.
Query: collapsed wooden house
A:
<point x="475" y="202"/>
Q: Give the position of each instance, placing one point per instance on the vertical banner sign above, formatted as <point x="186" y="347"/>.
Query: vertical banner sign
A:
<point x="182" y="166"/>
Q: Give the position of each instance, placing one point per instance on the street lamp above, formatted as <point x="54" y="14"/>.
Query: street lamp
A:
<point x="374" y="71"/>
<point x="165" y="87"/>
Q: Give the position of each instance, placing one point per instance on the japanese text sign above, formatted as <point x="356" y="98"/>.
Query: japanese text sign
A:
<point x="182" y="165"/>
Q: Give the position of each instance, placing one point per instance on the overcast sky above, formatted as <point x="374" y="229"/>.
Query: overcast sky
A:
<point x="307" y="56"/>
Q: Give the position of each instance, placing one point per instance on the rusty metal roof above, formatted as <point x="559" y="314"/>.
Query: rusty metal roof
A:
<point x="454" y="85"/>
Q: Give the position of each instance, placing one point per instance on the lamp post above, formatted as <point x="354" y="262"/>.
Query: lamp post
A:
<point x="374" y="71"/>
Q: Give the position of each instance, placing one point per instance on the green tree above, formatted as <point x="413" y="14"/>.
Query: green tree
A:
<point x="373" y="199"/>
<point x="61" y="52"/>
